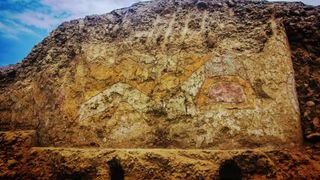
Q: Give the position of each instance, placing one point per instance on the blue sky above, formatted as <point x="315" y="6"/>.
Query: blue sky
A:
<point x="24" y="23"/>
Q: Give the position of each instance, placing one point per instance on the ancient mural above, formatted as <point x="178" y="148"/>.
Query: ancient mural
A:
<point x="174" y="76"/>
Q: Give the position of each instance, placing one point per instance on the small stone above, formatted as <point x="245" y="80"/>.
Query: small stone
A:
<point x="262" y="163"/>
<point x="316" y="122"/>
<point x="306" y="113"/>
<point x="33" y="153"/>
<point x="231" y="3"/>
<point x="296" y="12"/>
<point x="202" y="5"/>
<point x="11" y="163"/>
<point x="313" y="136"/>
<point x="310" y="103"/>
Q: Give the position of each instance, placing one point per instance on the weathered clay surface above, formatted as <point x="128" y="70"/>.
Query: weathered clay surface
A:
<point x="19" y="160"/>
<point x="185" y="76"/>
<point x="172" y="74"/>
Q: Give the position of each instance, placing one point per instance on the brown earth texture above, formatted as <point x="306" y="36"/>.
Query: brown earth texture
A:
<point x="177" y="89"/>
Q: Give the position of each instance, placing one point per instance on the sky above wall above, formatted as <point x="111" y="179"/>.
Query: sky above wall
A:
<point x="24" y="23"/>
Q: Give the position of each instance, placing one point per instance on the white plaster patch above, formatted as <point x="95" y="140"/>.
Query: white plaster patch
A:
<point x="176" y="106"/>
<point x="194" y="83"/>
<point x="255" y="132"/>
<point x="103" y="101"/>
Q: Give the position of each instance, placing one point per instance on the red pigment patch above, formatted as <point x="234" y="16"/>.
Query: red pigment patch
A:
<point x="228" y="92"/>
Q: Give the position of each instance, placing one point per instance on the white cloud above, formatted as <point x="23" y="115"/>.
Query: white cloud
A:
<point x="74" y="9"/>
<point x="19" y="1"/>
<point x="6" y="31"/>
<point x="37" y="19"/>
<point x="13" y="23"/>
<point x="12" y="30"/>
<point x="309" y="2"/>
<point x="81" y="8"/>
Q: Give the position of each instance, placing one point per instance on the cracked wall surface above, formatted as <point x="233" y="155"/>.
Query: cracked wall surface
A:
<point x="178" y="75"/>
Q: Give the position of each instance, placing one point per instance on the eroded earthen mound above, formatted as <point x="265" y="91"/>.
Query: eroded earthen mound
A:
<point x="177" y="75"/>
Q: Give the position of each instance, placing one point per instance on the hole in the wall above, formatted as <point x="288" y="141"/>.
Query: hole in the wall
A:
<point x="116" y="171"/>
<point x="229" y="170"/>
